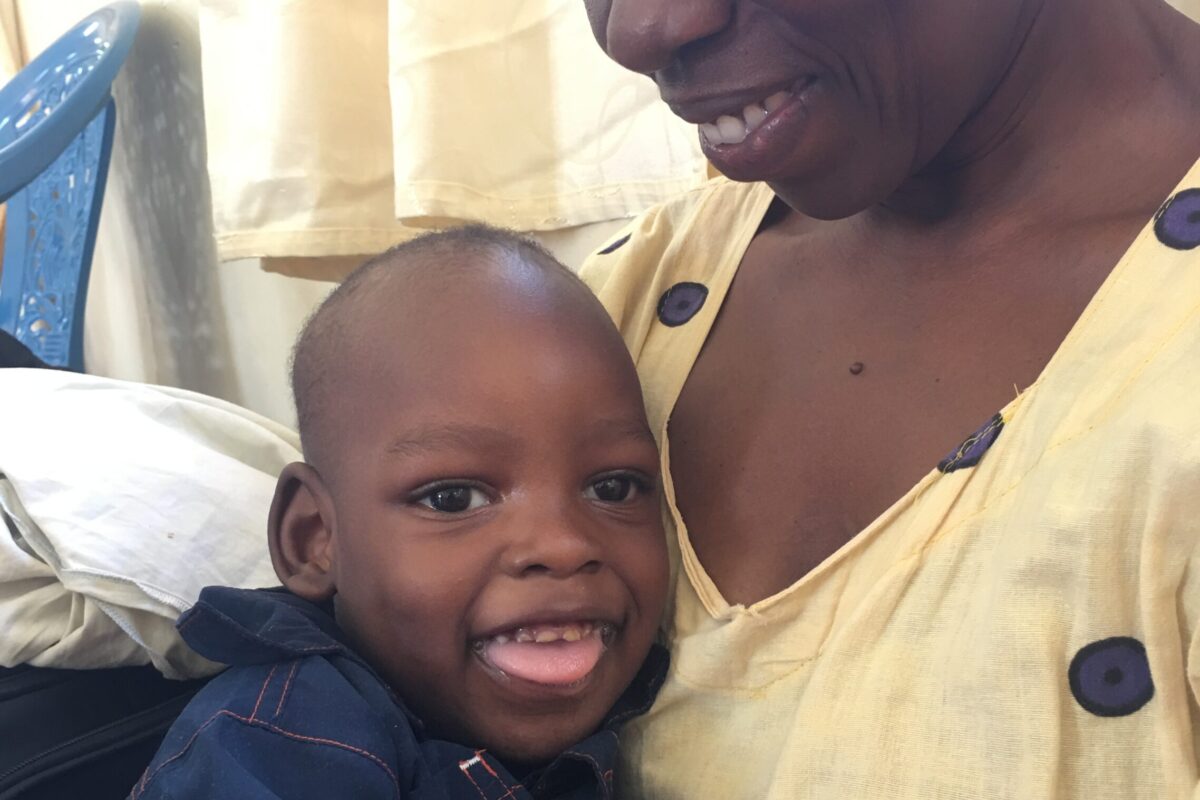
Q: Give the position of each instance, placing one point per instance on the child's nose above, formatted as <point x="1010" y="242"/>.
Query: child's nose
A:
<point x="552" y="544"/>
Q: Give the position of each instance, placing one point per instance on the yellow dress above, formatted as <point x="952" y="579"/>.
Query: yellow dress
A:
<point x="1021" y="624"/>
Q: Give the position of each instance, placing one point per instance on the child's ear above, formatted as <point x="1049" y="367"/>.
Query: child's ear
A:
<point x="300" y="533"/>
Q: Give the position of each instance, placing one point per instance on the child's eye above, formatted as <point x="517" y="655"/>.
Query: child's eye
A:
<point x="615" y="488"/>
<point x="454" y="499"/>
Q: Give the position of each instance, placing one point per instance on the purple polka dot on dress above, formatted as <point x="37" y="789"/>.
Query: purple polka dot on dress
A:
<point x="680" y="303"/>
<point x="1177" y="223"/>
<point x="615" y="246"/>
<point x="1111" y="677"/>
<point x="973" y="447"/>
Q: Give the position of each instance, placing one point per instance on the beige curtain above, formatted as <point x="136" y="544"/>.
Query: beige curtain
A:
<point x="163" y="307"/>
<point x="12" y="57"/>
<point x="507" y="111"/>
<point x="334" y="129"/>
<point x="12" y="49"/>
<point x="298" y="122"/>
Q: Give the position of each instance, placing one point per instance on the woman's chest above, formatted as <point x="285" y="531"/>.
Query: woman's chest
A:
<point x="821" y="396"/>
<point x="1022" y="626"/>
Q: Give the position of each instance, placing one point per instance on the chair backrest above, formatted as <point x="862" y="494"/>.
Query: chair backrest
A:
<point x="56" y="127"/>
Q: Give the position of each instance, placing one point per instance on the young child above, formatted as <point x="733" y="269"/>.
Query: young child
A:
<point x="472" y="552"/>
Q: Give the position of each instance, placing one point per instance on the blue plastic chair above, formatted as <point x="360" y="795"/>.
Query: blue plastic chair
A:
<point x="56" y="127"/>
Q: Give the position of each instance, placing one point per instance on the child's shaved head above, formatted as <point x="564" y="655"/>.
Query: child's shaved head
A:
<point x="428" y="263"/>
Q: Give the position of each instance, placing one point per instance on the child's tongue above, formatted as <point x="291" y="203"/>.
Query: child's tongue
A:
<point x="553" y="663"/>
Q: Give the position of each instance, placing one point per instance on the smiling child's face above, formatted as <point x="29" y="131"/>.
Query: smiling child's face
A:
<point x="495" y="540"/>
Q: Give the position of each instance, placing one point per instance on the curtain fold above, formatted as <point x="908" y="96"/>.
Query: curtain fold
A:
<point x="298" y="127"/>
<point x="508" y="112"/>
<point x="336" y="130"/>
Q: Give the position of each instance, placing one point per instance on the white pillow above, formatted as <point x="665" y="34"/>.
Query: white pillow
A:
<point x="122" y="502"/>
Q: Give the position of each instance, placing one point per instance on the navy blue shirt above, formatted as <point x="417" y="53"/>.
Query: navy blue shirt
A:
<point x="300" y="715"/>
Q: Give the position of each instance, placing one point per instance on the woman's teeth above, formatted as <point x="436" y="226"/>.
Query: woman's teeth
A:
<point x="728" y="129"/>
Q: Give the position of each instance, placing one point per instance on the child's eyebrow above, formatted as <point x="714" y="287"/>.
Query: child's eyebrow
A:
<point x="449" y="437"/>
<point x="615" y="429"/>
<point x="429" y="438"/>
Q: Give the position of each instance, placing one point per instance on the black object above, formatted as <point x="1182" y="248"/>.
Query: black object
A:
<point x="15" y="354"/>
<point x="82" y="733"/>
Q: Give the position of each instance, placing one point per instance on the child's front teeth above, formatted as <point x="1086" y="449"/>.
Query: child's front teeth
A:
<point x="545" y="634"/>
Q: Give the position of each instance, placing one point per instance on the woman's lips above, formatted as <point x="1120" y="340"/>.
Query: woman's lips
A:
<point x="751" y="146"/>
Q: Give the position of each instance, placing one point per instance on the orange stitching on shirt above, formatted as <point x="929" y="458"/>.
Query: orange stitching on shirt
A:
<point x="258" y="723"/>
<point x="595" y="764"/>
<point x="148" y="776"/>
<point x="287" y="685"/>
<point x="482" y="760"/>
<point x="465" y="767"/>
<point x="511" y="793"/>
<point x="263" y="691"/>
<point x="316" y="740"/>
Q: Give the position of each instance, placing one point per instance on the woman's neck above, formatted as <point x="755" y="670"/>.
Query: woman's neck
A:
<point x="1099" y="100"/>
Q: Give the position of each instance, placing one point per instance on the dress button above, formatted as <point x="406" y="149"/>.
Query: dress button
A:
<point x="680" y="303"/>
<point x="1177" y="223"/>
<point x="1111" y="677"/>
<point x="973" y="447"/>
<point x="615" y="246"/>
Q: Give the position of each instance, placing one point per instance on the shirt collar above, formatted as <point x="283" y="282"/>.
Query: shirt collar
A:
<point x="256" y="626"/>
<point x="240" y="627"/>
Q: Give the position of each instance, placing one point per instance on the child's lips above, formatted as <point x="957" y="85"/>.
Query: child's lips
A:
<point x="551" y="655"/>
